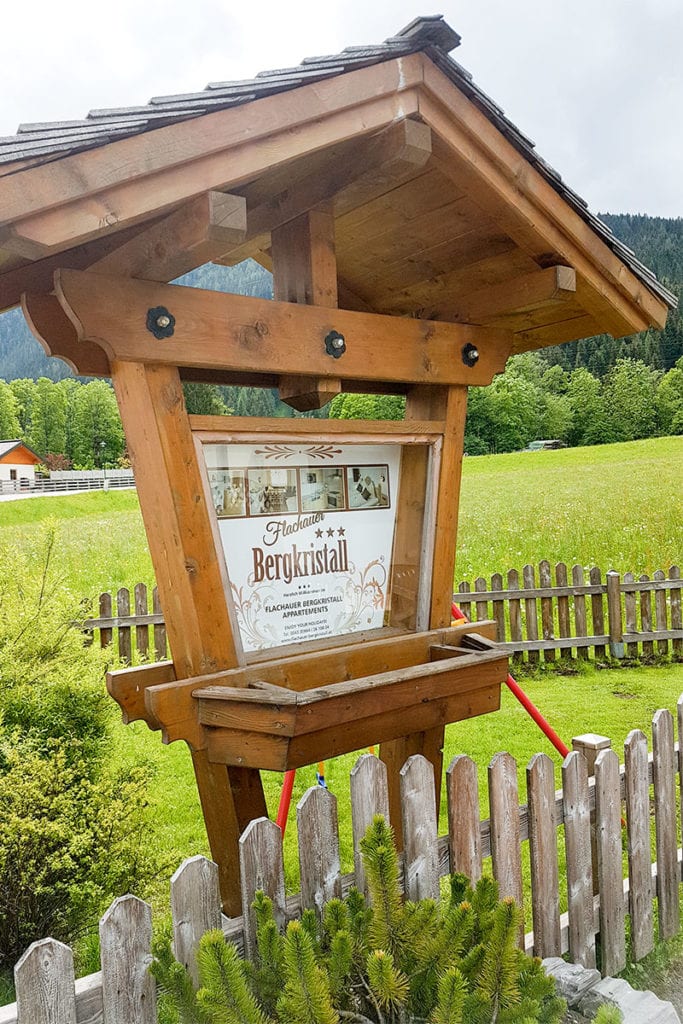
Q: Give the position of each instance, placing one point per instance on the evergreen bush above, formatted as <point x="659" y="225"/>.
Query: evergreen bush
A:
<point x="393" y="962"/>
<point x="71" y="827"/>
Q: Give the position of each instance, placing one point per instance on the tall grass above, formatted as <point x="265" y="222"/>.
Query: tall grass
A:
<point x="616" y="506"/>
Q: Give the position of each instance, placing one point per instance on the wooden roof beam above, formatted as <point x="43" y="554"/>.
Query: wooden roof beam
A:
<point x="364" y="170"/>
<point x="72" y="200"/>
<point x="482" y="162"/>
<point x="519" y="295"/>
<point x="187" y="238"/>
<point x="219" y="331"/>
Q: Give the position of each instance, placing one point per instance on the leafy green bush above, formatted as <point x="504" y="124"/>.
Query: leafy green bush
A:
<point x="392" y="963"/>
<point x="70" y="827"/>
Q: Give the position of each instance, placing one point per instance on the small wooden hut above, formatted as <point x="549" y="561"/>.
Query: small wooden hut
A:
<point x="416" y="240"/>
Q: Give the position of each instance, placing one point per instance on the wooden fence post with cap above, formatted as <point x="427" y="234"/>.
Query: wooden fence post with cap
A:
<point x="590" y="744"/>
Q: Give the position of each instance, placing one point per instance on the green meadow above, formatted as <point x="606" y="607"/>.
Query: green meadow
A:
<point x="615" y="506"/>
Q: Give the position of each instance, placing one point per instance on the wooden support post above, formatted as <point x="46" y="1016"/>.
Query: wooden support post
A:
<point x="305" y="271"/>
<point x="449" y="405"/>
<point x="590" y="744"/>
<point x="200" y="629"/>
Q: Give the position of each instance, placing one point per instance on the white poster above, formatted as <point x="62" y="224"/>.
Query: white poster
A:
<point x="307" y="531"/>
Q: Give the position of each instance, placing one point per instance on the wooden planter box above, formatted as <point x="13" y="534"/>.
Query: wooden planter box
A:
<point x="432" y="678"/>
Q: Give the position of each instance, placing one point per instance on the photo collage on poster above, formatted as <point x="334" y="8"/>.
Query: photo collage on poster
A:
<point x="267" y="491"/>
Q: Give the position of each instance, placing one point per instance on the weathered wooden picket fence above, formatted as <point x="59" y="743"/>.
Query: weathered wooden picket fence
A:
<point x="593" y="888"/>
<point x="560" y="617"/>
<point x="613" y="614"/>
<point x="131" y="625"/>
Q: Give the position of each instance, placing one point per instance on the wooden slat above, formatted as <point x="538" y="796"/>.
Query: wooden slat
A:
<point x="597" y="613"/>
<point x="515" y="612"/>
<point x="418" y="803"/>
<point x="638" y="826"/>
<point x="545" y="580"/>
<point x="562" y="602"/>
<point x="646" y="617"/>
<point x="464" y="830"/>
<point x="616" y="630"/>
<point x="498" y="607"/>
<point x="528" y="575"/>
<point x="236" y="333"/>
<point x="123" y="610"/>
<point x="676" y="613"/>
<point x="630" y="614"/>
<point x="465" y="606"/>
<point x="577" y="835"/>
<point x="668" y="871"/>
<point x="580" y="625"/>
<point x="660" y="614"/>
<point x="505" y="831"/>
<point x="128" y="988"/>
<point x="608" y="837"/>
<point x="44" y="980"/>
<point x="481" y="606"/>
<point x="195" y="908"/>
<point x="318" y="842"/>
<point x="160" y="641"/>
<point x="545" y="887"/>
<point x="106" y="635"/>
<point x="369" y="796"/>
<point x="141" y="631"/>
<point x="261" y="869"/>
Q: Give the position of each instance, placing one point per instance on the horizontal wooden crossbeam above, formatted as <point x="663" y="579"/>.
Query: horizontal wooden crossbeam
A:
<point x="234" y="333"/>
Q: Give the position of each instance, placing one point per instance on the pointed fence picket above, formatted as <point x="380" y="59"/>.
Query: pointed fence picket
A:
<point x="550" y="821"/>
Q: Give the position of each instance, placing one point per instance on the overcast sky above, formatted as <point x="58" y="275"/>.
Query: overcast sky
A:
<point x="597" y="84"/>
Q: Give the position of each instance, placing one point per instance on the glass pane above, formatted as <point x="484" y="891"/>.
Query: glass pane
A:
<point x="318" y="538"/>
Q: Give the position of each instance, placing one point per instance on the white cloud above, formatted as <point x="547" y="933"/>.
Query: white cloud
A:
<point x="598" y="86"/>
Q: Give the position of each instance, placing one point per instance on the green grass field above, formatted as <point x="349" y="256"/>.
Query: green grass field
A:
<point x="617" y="506"/>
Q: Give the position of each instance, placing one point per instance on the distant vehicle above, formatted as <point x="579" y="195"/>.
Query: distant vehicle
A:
<point x="544" y="446"/>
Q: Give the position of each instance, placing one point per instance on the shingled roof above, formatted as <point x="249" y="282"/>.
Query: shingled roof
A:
<point x="43" y="142"/>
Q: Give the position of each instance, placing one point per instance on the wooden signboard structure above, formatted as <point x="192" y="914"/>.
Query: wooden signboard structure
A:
<point x="305" y="566"/>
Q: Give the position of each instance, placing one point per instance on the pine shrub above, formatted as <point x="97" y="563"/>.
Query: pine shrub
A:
<point x="393" y="962"/>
